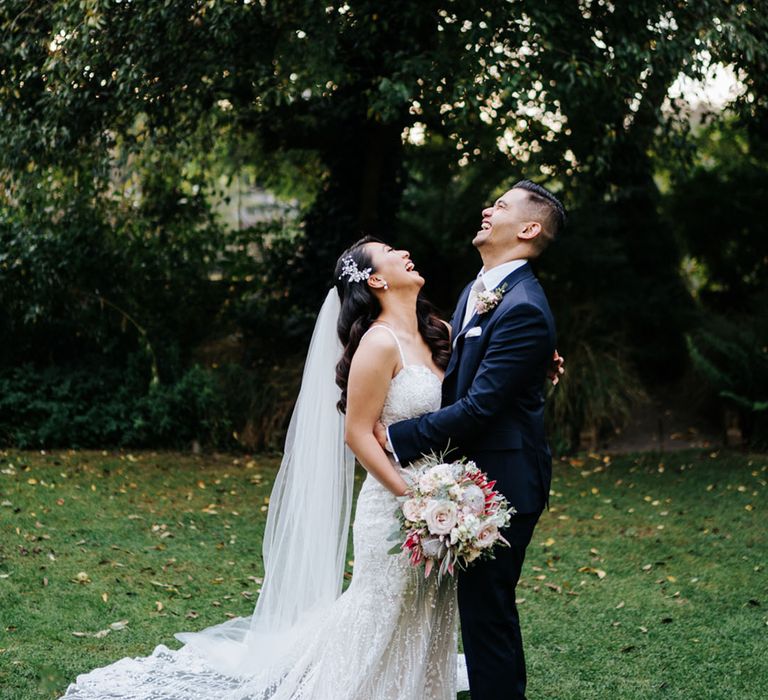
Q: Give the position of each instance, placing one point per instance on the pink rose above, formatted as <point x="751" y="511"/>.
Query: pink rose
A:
<point x="487" y="535"/>
<point x="441" y="516"/>
<point x="413" y="509"/>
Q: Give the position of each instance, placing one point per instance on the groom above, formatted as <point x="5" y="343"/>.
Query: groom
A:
<point x="493" y="413"/>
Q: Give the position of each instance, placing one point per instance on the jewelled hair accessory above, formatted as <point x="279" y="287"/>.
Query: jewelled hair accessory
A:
<point x="350" y="269"/>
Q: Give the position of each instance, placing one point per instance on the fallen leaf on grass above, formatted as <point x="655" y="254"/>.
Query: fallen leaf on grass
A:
<point x="119" y="625"/>
<point x="591" y="570"/>
<point x="166" y="586"/>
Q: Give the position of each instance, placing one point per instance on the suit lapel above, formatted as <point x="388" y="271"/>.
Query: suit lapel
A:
<point x="511" y="281"/>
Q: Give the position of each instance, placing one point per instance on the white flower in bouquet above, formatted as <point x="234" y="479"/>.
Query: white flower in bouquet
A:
<point x="435" y="477"/>
<point x="501" y="519"/>
<point x="465" y="530"/>
<point x="455" y="492"/>
<point x="474" y="499"/>
<point x="427" y="483"/>
<point x="441" y="516"/>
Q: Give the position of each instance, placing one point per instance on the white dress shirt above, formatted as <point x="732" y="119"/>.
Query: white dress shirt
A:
<point x="491" y="279"/>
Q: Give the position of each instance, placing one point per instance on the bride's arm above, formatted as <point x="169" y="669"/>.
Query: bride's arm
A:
<point x="369" y="377"/>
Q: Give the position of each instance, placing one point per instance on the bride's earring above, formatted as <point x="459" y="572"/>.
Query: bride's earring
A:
<point x="386" y="286"/>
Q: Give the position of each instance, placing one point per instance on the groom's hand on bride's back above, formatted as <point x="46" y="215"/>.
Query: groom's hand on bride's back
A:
<point x="556" y="369"/>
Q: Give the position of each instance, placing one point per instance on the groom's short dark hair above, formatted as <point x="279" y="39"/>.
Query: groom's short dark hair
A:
<point x="550" y="210"/>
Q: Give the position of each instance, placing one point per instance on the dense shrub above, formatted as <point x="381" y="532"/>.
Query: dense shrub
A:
<point x="96" y="407"/>
<point x="601" y="385"/>
<point x="730" y="355"/>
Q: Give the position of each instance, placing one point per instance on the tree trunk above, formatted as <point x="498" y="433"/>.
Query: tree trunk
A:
<point x="361" y="197"/>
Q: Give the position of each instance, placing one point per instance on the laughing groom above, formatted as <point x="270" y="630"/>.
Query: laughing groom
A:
<point x="493" y="413"/>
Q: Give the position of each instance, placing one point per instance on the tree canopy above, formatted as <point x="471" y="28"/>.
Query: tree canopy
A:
<point x="120" y="118"/>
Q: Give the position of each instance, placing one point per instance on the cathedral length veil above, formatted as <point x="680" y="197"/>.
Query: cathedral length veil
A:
<point x="305" y="540"/>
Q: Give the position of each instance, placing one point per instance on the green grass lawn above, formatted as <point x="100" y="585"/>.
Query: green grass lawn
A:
<point x="646" y="579"/>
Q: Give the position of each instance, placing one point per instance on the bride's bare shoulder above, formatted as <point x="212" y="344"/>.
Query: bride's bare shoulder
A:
<point x="375" y="361"/>
<point x="377" y="343"/>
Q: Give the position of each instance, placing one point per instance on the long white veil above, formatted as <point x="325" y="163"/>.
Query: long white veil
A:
<point x="305" y="540"/>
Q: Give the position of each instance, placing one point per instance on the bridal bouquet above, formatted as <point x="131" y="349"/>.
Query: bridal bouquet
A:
<point x="451" y="516"/>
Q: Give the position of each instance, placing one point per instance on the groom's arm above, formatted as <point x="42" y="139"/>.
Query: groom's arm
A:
<point x="518" y="348"/>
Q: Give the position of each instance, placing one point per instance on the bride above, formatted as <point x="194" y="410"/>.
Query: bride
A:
<point x="392" y="635"/>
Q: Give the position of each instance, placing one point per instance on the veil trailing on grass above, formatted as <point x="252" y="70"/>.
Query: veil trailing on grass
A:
<point x="305" y="540"/>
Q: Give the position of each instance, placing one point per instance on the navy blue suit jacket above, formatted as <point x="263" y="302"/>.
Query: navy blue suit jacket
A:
<point x="493" y="400"/>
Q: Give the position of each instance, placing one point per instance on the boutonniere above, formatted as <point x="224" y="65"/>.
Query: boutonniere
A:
<point x="489" y="299"/>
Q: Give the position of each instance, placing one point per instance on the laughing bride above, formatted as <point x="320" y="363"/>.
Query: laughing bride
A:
<point x="378" y="352"/>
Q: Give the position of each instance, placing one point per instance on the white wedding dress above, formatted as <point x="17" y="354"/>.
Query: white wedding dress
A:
<point x="392" y="635"/>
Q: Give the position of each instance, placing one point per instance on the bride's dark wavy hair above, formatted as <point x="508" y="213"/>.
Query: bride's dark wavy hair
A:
<point x="360" y="307"/>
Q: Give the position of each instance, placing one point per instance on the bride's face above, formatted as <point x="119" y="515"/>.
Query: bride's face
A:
<point x="394" y="266"/>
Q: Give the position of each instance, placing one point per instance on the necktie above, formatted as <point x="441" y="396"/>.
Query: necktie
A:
<point x="477" y="287"/>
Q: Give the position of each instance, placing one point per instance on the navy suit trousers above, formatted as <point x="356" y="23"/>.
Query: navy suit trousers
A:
<point x="490" y="626"/>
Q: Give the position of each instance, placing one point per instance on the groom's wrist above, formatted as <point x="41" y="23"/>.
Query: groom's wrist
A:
<point x="390" y="448"/>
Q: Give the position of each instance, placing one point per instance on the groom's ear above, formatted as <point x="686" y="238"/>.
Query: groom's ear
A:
<point x="530" y="230"/>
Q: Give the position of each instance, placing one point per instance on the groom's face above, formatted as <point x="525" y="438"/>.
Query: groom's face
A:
<point x="502" y="221"/>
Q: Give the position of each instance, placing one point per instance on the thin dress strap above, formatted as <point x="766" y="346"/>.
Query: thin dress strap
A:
<point x="381" y="324"/>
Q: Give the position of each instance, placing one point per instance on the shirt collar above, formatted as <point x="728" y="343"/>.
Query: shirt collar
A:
<point x="493" y="278"/>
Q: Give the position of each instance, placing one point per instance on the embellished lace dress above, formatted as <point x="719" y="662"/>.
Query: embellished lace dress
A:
<point x="392" y="635"/>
